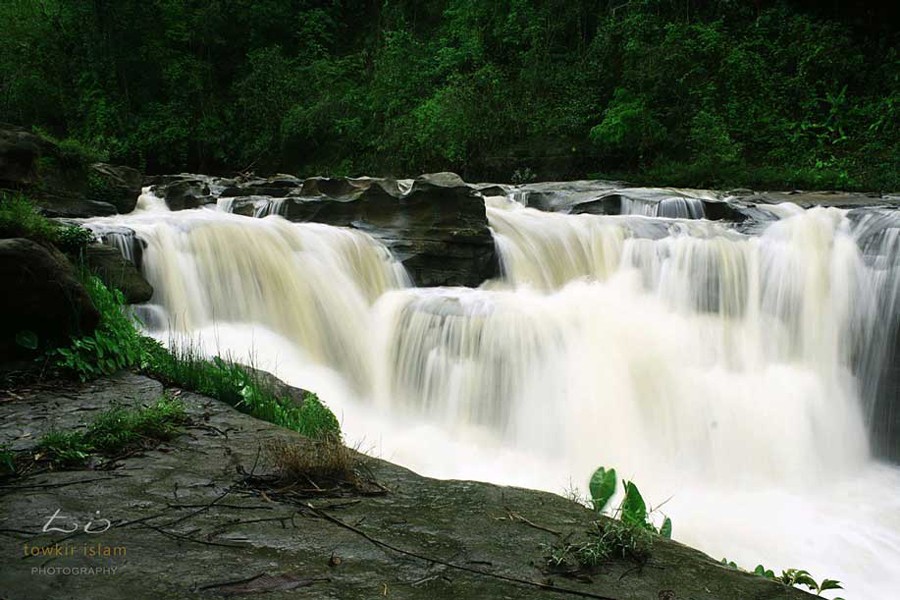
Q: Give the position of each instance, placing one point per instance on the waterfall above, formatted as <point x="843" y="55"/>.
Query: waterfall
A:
<point x="742" y="371"/>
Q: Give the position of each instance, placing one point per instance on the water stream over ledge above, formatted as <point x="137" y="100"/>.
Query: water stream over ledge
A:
<point x="732" y="373"/>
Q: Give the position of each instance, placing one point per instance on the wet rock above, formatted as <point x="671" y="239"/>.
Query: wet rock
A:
<point x="19" y="153"/>
<point x="182" y="192"/>
<point x="277" y="186"/>
<point x="120" y="185"/>
<point x="117" y="272"/>
<point x="42" y="294"/>
<point x="436" y="225"/>
<point x="61" y="182"/>
<point x="186" y="527"/>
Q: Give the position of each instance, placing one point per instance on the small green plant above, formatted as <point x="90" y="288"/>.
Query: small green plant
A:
<point x="792" y="577"/>
<point x="115" y="431"/>
<point x="610" y="539"/>
<point x="73" y="239"/>
<point x="64" y="447"/>
<point x="114" y="345"/>
<point x="7" y="461"/>
<point x="633" y="508"/>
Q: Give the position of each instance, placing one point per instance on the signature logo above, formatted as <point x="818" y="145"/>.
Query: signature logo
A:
<point x="71" y="525"/>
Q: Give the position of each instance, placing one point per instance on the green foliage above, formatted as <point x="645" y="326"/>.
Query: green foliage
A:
<point x="120" y="428"/>
<point x="792" y="577"/>
<point x="115" y="431"/>
<point x="72" y="239"/>
<point x="65" y="447"/>
<point x="8" y="465"/>
<point x="113" y="346"/>
<point x="240" y="387"/>
<point x="632" y="510"/>
<point x="20" y="218"/>
<point x="610" y="540"/>
<point x="602" y="487"/>
<point x="720" y="92"/>
<point x="629" y="127"/>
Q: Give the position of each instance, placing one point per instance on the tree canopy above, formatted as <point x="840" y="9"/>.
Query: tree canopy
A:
<point x="694" y="92"/>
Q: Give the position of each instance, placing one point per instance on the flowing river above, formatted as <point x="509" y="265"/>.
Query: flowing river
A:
<point x="730" y="373"/>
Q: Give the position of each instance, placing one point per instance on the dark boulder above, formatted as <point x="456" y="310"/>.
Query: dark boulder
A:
<point x="43" y="298"/>
<point x="60" y="180"/>
<point x="277" y="186"/>
<point x="117" y="272"/>
<point x="115" y="184"/>
<point x="19" y="154"/>
<point x="182" y="192"/>
<point x="438" y="228"/>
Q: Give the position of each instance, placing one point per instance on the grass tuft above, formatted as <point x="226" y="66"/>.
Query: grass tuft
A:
<point x="609" y="540"/>
<point x="243" y="388"/>
<point x="323" y="462"/>
<point x="114" y="432"/>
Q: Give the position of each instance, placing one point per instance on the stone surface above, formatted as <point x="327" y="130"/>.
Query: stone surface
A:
<point x="436" y="224"/>
<point x="19" y="153"/>
<point x="117" y="272"/>
<point x="121" y="185"/>
<point x="183" y="191"/>
<point x="187" y="529"/>
<point x="41" y="294"/>
<point x="59" y="184"/>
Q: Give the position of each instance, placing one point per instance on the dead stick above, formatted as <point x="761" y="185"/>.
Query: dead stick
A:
<point x="542" y="586"/>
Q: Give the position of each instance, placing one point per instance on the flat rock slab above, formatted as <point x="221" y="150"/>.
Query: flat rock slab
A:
<point x="175" y="523"/>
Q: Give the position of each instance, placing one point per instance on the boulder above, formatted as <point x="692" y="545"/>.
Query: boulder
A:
<point x="117" y="272"/>
<point x="117" y="185"/>
<point x="67" y="205"/>
<point x="19" y="153"/>
<point x="437" y="228"/>
<point x="43" y="296"/>
<point x="184" y="191"/>
<point x="277" y="186"/>
<point x="60" y="181"/>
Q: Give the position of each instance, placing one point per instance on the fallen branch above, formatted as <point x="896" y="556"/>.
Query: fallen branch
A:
<point x="516" y="580"/>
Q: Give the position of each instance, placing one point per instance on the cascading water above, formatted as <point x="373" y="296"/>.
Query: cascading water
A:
<point x="732" y="372"/>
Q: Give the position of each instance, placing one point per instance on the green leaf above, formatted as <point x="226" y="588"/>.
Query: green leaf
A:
<point x="27" y="339"/>
<point x="666" y="529"/>
<point x="830" y="584"/>
<point x="634" y="509"/>
<point x="602" y="487"/>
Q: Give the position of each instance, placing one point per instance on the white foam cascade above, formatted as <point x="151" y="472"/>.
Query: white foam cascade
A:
<point x="310" y="283"/>
<point x="726" y="355"/>
<point x="726" y="370"/>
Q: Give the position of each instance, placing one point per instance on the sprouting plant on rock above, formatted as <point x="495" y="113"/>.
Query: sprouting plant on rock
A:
<point x="792" y="577"/>
<point x="625" y="534"/>
<point x="633" y="508"/>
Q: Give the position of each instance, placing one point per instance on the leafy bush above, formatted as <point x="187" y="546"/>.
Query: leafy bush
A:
<point x="113" y="346"/>
<point x="73" y="239"/>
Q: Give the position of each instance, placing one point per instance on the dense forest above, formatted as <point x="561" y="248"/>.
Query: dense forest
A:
<point x="688" y="92"/>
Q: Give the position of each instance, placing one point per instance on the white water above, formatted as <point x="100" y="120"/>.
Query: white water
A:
<point x="708" y="366"/>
